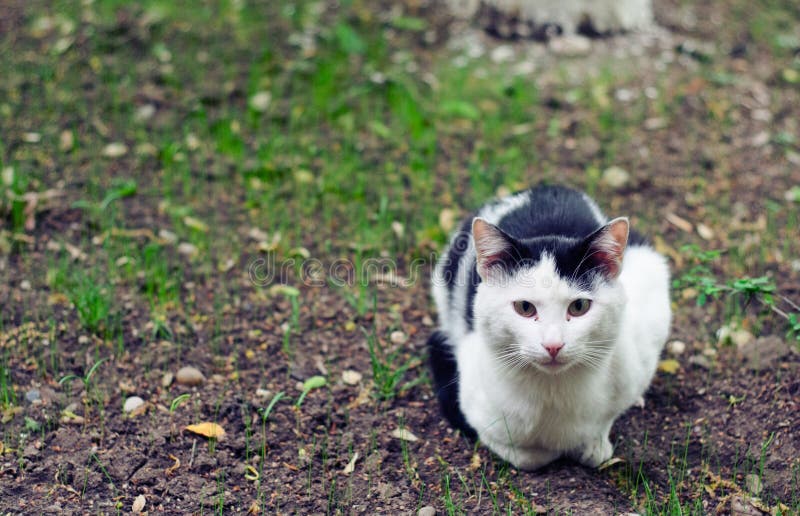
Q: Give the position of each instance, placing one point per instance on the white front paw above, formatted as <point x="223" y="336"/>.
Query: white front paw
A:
<point x="597" y="452"/>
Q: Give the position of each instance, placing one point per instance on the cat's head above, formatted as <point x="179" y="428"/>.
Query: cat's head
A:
<point x="553" y="302"/>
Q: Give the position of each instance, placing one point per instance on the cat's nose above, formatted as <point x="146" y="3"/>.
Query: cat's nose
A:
<point x="553" y="348"/>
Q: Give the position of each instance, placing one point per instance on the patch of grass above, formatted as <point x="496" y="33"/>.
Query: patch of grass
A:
<point x="737" y="292"/>
<point x="387" y="371"/>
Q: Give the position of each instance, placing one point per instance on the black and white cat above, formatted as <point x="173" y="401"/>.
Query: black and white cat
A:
<point x="551" y="323"/>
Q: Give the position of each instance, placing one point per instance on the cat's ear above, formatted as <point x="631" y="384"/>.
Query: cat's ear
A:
<point x="607" y="246"/>
<point x="494" y="248"/>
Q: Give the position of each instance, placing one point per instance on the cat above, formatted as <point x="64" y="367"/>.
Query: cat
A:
<point x="529" y="18"/>
<point x="551" y="323"/>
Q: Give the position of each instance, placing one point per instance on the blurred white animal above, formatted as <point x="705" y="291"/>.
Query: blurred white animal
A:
<point x="603" y="16"/>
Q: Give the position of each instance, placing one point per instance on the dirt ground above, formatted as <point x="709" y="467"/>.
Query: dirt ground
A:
<point x="726" y="414"/>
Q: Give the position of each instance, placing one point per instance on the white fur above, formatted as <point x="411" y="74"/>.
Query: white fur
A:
<point x="451" y="315"/>
<point x="530" y="413"/>
<point x="605" y="15"/>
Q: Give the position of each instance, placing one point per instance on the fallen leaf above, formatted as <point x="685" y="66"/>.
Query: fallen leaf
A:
<point x="669" y="366"/>
<point x="475" y="462"/>
<point x="610" y="462"/>
<point x="195" y="224"/>
<point x="404" y="434"/>
<point x="679" y="222"/>
<point x="351" y="466"/>
<point x="251" y="473"/>
<point x="315" y="382"/>
<point x="170" y="470"/>
<point x="206" y="429"/>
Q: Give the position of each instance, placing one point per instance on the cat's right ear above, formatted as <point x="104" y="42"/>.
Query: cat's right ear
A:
<point x="494" y="248"/>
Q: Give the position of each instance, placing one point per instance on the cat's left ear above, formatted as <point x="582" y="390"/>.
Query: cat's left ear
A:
<point x="607" y="246"/>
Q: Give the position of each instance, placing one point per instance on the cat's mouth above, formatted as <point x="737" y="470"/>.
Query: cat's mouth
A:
<point x="552" y="365"/>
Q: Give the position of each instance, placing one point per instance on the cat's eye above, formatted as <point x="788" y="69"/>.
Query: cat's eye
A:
<point x="579" y="307"/>
<point x="525" y="308"/>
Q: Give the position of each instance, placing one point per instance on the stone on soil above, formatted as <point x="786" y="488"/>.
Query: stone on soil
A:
<point x="426" y="511"/>
<point x="189" y="376"/>
<point x="753" y="483"/>
<point x="132" y="403"/>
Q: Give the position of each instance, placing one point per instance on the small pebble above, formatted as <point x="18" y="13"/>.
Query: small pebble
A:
<point x="115" y="150"/>
<point x="260" y="101"/>
<point x="132" y="403"/>
<point x="570" y="46"/>
<point x="189" y="376"/>
<point x="753" y="484"/>
<point x="138" y="504"/>
<point x="187" y="249"/>
<point x="351" y="377"/>
<point x="263" y="393"/>
<point x="398" y="337"/>
<point x="700" y="361"/>
<point x="167" y="379"/>
<point x="426" y="511"/>
<point x="33" y="396"/>
<point x="616" y="177"/>
<point x="25" y="285"/>
<point x="676" y="347"/>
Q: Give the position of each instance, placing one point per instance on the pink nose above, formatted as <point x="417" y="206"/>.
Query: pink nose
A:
<point x="553" y="348"/>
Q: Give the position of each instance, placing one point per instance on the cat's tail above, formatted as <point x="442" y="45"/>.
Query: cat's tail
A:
<point x="445" y="381"/>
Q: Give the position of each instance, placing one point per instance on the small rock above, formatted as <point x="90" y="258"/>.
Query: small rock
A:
<point x="655" y="123"/>
<point x="676" y="347"/>
<point x="700" y="361"/>
<point x="740" y="507"/>
<point x="66" y="141"/>
<point x="427" y="321"/>
<point x="187" y="249"/>
<point x="263" y="393"/>
<point x="736" y="336"/>
<point x="167" y="236"/>
<point x="753" y="484"/>
<point x="760" y="139"/>
<point x="615" y="177"/>
<point x="398" y="337"/>
<point x="115" y="150"/>
<point x="705" y="232"/>
<point x="398" y="229"/>
<point x="426" y="511"/>
<point x="83" y="339"/>
<point x="144" y="113"/>
<point x="260" y="101"/>
<point x="570" y="46"/>
<point x="138" y="504"/>
<point x="167" y="379"/>
<point x="32" y="137"/>
<point x="351" y="377"/>
<point x="33" y="396"/>
<point x="502" y="54"/>
<point x="764" y="352"/>
<point x="25" y="285"/>
<point x="189" y="376"/>
<point x="132" y="403"/>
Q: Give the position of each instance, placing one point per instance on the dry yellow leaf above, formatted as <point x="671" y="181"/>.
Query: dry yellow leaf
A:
<point x="206" y="429"/>
<point x="669" y="366"/>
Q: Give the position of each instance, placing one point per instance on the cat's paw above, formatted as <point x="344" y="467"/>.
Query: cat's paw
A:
<point x="596" y="452"/>
<point x="525" y="458"/>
